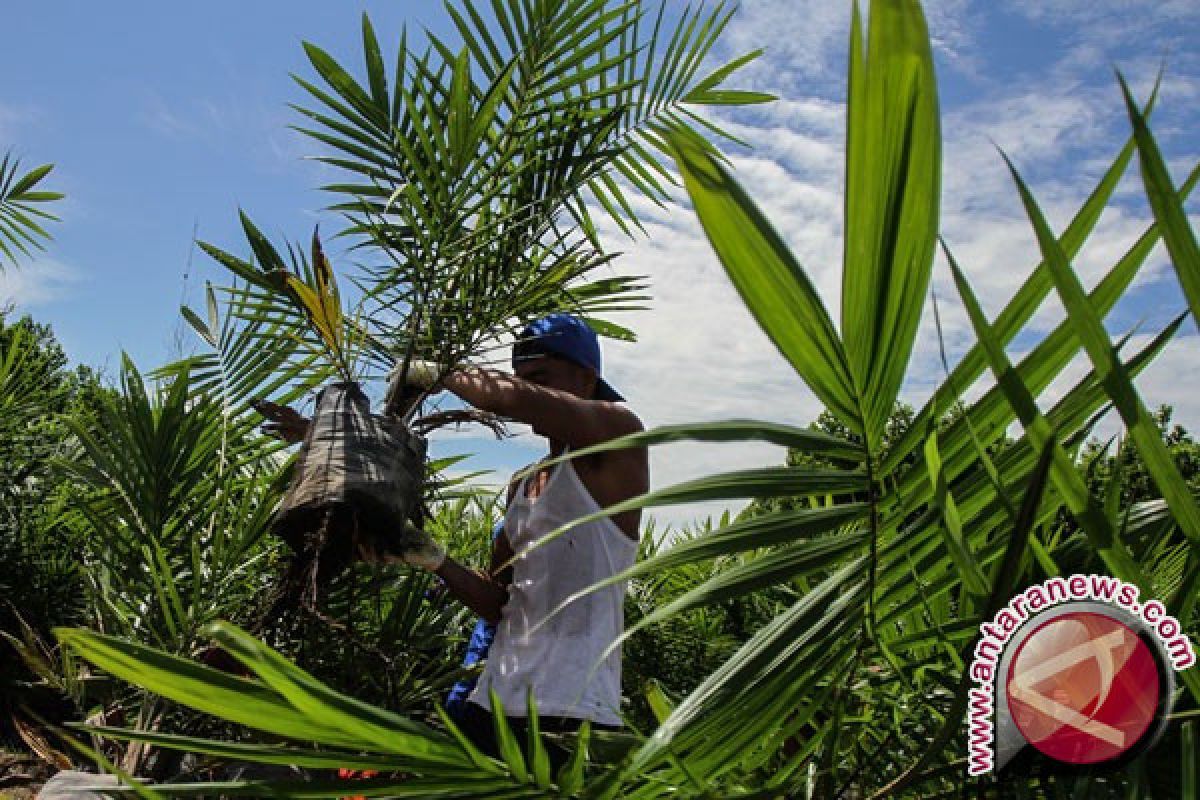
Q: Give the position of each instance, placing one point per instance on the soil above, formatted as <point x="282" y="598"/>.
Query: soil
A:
<point x="21" y="775"/>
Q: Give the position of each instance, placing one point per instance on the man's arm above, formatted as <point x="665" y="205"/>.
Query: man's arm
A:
<point x="485" y="593"/>
<point x="553" y="413"/>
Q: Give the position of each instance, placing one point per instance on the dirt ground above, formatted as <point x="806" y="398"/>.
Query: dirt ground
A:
<point x="23" y="793"/>
<point x="21" y="775"/>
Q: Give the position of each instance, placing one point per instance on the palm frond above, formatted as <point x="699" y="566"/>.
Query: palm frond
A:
<point x="21" y="212"/>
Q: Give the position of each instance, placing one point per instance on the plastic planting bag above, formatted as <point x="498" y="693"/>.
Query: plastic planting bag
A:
<point x="358" y="477"/>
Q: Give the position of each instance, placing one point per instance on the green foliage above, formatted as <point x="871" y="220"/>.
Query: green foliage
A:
<point x="850" y="678"/>
<point x="40" y="578"/>
<point x="471" y="166"/>
<point x="167" y="531"/>
<point x="1105" y="464"/>
<point x="21" y="215"/>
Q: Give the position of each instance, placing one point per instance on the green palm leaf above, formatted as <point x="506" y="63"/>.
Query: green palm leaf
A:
<point x="893" y="186"/>
<point x="1112" y="374"/>
<point x="1002" y="588"/>
<point x="269" y="705"/>
<point x="773" y="285"/>
<point x="1090" y="516"/>
<point x="1167" y="205"/>
<point x="21" y="214"/>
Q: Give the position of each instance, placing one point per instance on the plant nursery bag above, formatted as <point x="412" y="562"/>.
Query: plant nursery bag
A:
<point x="357" y="472"/>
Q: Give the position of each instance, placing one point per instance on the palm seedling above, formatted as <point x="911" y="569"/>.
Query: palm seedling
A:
<point x="473" y="171"/>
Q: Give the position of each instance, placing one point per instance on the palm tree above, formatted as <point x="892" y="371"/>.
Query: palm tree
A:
<point x="472" y="169"/>
<point x="20" y="214"/>
<point x="858" y="687"/>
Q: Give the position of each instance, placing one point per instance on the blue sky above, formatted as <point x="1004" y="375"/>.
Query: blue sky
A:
<point x="165" y="118"/>
<point x="162" y="118"/>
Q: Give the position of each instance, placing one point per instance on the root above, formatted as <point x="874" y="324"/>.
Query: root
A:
<point x="440" y="419"/>
<point x="323" y="551"/>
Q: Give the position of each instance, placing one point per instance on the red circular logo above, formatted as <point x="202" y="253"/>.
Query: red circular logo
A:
<point x="1083" y="688"/>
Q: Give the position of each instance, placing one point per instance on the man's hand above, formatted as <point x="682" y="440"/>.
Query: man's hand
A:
<point x="415" y="548"/>
<point x="285" y="422"/>
<point x="419" y="549"/>
<point x="421" y="377"/>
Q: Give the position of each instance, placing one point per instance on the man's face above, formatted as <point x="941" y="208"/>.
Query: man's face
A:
<point x="554" y="372"/>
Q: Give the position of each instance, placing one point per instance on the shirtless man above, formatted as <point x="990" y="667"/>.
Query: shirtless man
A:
<point x="557" y="388"/>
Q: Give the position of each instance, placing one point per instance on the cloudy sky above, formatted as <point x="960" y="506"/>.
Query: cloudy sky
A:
<point x="163" y="120"/>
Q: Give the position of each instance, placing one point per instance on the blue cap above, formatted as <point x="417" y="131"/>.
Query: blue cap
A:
<point x="567" y="336"/>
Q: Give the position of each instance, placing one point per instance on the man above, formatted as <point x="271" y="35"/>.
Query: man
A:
<point x="541" y="644"/>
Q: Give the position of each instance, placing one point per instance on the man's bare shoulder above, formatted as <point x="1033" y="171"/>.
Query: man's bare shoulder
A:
<point x="621" y="418"/>
<point x="625" y="470"/>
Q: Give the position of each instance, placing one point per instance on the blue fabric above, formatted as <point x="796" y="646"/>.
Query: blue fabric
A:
<point x="477" y="650"/>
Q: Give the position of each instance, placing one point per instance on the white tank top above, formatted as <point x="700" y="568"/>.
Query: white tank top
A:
<point x="557" y="658"/>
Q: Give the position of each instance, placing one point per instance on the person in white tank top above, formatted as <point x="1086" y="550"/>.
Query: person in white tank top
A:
<point x="558" y="389"/>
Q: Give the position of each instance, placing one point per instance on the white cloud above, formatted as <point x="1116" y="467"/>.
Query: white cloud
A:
<point x="1172" y="379"/>
<point x="801" y="42"/>
<point x="1095" y="35"/>
<point x="806" y="42"/>
<point x="1062" y="135"/>
<point x="36" y="282"/>
<point x="701" y="356"/>
<point x="952" y="29"/>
